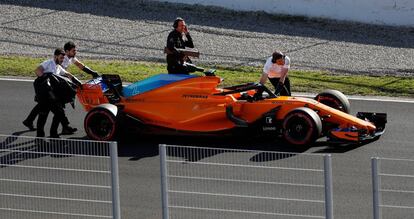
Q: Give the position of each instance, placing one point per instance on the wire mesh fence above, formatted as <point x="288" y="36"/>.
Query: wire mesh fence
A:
<point x="225" y="183"/>
<point x="393" y="188"/>
<point x="57" y="178"/>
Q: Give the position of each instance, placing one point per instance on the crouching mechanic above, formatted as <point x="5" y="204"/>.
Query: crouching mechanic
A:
<point x="276" y="70"/>
<point x="45" y="86"/>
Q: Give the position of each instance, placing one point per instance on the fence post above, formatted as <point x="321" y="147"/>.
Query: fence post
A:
<point x="375" y="187"/>
<point x="164" y="180"/>
<point x="328" y="187"/>
<point x="116" y="205"/>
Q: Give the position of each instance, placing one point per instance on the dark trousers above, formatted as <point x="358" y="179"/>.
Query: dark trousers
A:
<point x="44" y="109"/>
<point x="175" y="64"/>
<point x="177" y="69"/>
<point x="281" y="90"/>
<point x="36" y="110"/>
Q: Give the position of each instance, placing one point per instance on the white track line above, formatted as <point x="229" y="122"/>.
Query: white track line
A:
<point x="367" y="98"/>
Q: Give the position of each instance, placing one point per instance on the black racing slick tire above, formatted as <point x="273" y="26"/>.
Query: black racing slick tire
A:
<point x="334" y="99"/>
<point x="302" y="127"/>
<point x="101" y="124"/>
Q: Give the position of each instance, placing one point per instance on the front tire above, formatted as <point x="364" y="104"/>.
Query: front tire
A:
<point x="100" y="124"/>
<point x="301" y="127"/>
<point x="334" y="99"/>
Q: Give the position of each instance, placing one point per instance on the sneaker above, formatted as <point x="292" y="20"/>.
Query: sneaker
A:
<point x="29" y="125"/>
<point x="68" y="130"/>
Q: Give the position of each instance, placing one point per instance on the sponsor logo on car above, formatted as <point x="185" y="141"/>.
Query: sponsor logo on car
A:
<point x="197" y="96"/>
<point x="269" y="128"/>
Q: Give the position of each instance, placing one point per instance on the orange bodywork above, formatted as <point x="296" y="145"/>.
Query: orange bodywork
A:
<point x="193" y="105"/>
<point x="90" y="96"/>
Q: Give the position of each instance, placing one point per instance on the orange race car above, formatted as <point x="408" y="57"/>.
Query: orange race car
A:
<point x="192" y="104"/>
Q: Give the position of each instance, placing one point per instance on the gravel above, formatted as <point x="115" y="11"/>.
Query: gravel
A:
<point x="137" y="30"/>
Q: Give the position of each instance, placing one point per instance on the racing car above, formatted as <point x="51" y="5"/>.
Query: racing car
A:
<point x="196" y="104"/>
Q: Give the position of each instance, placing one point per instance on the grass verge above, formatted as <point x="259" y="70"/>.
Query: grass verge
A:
<point x="302" y="81"/>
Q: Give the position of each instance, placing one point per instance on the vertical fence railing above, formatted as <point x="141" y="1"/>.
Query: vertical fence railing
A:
<point x="327" y="161"/>
<point x="116" y="201"/>
<point x="393" y="188"/>
<point x="58" y="178"/>
<point x="375" y="188"/>
<point x="225" y="183"/>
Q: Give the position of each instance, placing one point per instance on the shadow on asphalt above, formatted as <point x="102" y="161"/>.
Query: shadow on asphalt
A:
<point x="136" y="147"/>
<point x="143" y="146"/>
<point x="152" y="11"/>
<point x="148" y="146"/>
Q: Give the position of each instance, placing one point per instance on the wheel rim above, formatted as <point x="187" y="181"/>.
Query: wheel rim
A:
<point x="100" y="125"/>
<point x="332" y="102"/>
<point x="298" y="129"/>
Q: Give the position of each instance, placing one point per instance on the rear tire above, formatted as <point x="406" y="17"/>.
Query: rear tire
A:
<point x="302" y="127"/>
<point x="334" y="99"/>
<point x="100" y="124"/>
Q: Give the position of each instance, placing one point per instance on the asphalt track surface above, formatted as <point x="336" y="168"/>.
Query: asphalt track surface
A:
<point x="137" y="30"/>
<point x="139" y="159"/>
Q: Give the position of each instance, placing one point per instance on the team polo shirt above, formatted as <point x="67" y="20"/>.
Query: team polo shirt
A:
<point x="50" y="66"/>
<point x="68" y="61"/>
<point x="274" y="70"/>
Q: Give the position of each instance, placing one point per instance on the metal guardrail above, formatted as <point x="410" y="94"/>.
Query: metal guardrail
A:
<point x="393" y="187"/>
<point x="225" y="183"/>
<point x="58" y="178"/>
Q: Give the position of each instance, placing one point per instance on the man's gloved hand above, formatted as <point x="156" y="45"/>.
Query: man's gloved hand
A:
<point x="86" y="69"/>
<point x="95" y="74"/>
<point x="279" y="88"/>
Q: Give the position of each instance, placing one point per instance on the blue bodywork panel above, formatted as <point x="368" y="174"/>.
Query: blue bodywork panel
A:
<point x="153" y="82"/>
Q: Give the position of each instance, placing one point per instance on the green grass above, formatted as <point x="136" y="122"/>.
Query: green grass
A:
<point x="301" y="81"/>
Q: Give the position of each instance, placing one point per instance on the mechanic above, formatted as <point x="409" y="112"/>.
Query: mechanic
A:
<point x="70" y="53"/>
<point x="45" y="85"/>
<point x="276" y="69"/>
<point x="179" y="38"/>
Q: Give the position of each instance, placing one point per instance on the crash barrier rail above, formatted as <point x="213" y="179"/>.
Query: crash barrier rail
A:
<point x="199" y="182"/>
<point x="393" y="187"/>
<point x="58" y="178"/>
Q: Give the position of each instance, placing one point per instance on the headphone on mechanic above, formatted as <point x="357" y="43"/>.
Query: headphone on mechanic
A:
<point x="277" y="55"/>
<point x="178" y="19"/>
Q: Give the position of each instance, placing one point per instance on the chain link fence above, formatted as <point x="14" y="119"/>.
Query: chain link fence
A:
<point x="225" y="183"/>
<point x="58" y="178"/>
<point x="393" y="187"/>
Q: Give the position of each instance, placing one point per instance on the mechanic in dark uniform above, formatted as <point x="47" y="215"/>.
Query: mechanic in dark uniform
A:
<point x="45" y="86"/>
<point x="179" y="38"/>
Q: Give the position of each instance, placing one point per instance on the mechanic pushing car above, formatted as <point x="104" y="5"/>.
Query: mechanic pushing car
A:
<point x="46" y="86"/>
<point x="70" y="58"/>
<point x="276" y="69"/>
<point x="179" y="38"/>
